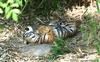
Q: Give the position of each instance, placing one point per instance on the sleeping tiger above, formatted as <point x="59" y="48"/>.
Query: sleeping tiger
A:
<point x="47" y="34"/>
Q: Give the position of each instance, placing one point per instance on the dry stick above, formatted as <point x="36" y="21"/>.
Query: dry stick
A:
<point x="40" y="4"/>
<point x="40" y="20"/>
<point x="83" y="14"/>
<point x="89" y="39"/>
<point x="24" y="6"/>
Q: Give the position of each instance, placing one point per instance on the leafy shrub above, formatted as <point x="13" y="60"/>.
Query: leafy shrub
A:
<point x="11" y="8"/>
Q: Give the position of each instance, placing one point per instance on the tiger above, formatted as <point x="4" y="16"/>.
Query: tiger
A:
<point x="43" y="29"/>
<point x="47" y="34"/>
<point x="35" y="37"/>
<point x="63" y="30"/>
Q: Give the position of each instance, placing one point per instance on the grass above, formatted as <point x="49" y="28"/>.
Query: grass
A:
<point x="89" y="29"/>
<point x="58" y="49"/>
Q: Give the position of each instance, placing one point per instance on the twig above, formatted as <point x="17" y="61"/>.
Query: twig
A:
<point x="40" y="20"/>
<point x="40" y="4"/>
<point x="83" y="14"/>
<point x="24" y="6"/>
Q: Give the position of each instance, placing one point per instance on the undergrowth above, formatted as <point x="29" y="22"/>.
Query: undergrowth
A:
<point x="58" y="49"/>
<point x="89" y="29"/>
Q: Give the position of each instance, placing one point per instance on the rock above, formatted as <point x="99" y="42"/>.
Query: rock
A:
<point x="35" y="51"/>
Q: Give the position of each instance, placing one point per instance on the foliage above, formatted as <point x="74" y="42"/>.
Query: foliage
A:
<point x="98" y="5"/>
<point x="11" y="8"/>
<point x="88" y="28"/>
<point x="89" y="31"/>
<point x="58" y="48"/>
<point x="1" y="27"/>
<point x="97" y="43"/>
<point x="43" y="7"/>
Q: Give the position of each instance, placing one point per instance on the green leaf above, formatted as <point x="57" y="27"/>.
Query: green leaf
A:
<point x="4" y="5"/>
<point x="7" y="9"/>
<point x="15" y="5"/>
<point x="16" y="11"/>
<point x="15" y="17"/>
<point x="10" y="1"/>
<point x="1" y="4"/>
<point x="8" y="15"/>
<point x="19" y="2"/>
<point x="25" y="0"/>
<point x="1" y="11"/>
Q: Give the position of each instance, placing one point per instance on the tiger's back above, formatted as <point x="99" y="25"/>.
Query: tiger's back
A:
<point x="62" y="30"/>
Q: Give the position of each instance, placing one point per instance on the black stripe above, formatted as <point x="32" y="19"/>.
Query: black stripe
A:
<point x="33" y="36"/>
<point x="39" y="40"/>
<point x="44" y="40"/>
<point x="59" y="29"/>
<point x="67" y="31"/>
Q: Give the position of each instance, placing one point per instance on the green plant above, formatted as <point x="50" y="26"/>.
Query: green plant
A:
<point x="2" y="26"/>
<point x="58" y="48"/>
<point x="42" y="7"/>
<point x="89" y="29"/>
<point x="46" y="6"/>
<point x="11" y="8"/>
<point x="98" y="5"/>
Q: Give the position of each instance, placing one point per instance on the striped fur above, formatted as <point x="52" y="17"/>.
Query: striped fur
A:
<point x="33" y="37"/>
<point x="46" y="34"/>
<point x="62" y="30"/>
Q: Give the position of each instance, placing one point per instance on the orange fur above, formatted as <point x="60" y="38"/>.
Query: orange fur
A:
<point x="48" y="31"/>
